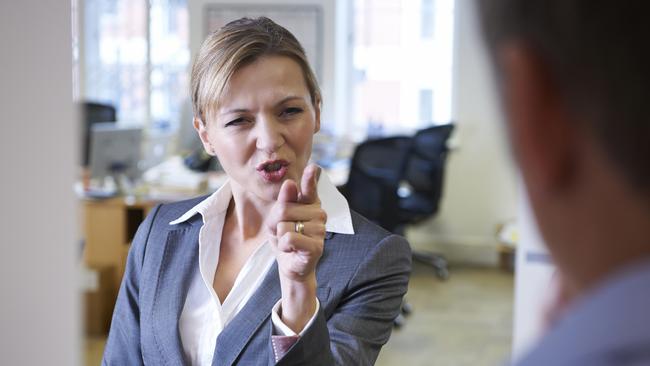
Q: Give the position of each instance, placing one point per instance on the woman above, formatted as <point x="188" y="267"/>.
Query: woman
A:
<point x="273" y="268"/>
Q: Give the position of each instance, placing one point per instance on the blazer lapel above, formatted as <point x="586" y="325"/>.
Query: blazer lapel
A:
<point x="239" y="331"/>
<point x="180" y="259"/>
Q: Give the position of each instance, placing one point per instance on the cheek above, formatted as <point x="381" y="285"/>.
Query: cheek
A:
<point x="302" y="142"/>
<point x="230" y="150"/>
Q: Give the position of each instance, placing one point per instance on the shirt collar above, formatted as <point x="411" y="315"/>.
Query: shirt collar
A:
<point x="339" y="219"/>
<point x="215" y="203"/>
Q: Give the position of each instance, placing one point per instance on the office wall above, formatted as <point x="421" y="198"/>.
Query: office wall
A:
<point x="39" y="311"/>
<point x="534" y="278"/>
<point x="480" y="189"/>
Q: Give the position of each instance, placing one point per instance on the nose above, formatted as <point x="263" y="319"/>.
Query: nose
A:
<point x="269" y="134"/>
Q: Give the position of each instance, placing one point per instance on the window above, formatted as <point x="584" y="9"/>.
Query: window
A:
<point x="135" y="57"/>
<point x="426" y="106"/>
<point x="170" y="59"/>
<point x="402" y="58"/>
<point x="426" y="19"/>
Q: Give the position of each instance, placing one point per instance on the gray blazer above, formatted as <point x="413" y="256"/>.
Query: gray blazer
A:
<point x="361" y="281"/>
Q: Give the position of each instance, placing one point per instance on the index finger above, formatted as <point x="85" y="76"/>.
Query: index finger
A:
<point x="309" y="184"/>
<point x="288" y="191"/>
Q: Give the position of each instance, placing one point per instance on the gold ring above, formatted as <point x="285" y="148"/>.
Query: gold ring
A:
<point x="299" y="227"/>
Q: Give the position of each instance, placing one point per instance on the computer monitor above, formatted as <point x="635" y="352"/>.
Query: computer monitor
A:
<point x="114" y="150"/>
<point x="91" y="113"/>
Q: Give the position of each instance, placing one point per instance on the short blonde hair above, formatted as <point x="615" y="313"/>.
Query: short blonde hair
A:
<point x="237" y="44"/>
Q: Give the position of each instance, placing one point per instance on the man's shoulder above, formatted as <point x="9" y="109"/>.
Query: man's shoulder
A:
<point x="609" y="326"/>
<point x="637" y="354"/>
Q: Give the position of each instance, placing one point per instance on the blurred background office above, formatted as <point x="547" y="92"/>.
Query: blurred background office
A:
<point x="408" y="103"/>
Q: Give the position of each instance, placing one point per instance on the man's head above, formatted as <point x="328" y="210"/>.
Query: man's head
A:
<point x="597" y="53"/>
<point x="574" y="77"/>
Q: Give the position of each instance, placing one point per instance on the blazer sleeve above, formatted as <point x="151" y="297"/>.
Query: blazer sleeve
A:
<point x="363" y="320"/>
<point x="123" y="344"/>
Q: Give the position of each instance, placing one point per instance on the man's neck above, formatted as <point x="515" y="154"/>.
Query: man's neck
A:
<point x="609" y="234"/>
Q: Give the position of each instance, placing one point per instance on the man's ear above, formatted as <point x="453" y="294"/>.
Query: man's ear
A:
<point x="539" y="122"/>
<point x="202" y="131"/>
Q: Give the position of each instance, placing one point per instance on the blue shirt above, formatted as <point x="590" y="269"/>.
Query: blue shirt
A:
<point x="608" y="326"/>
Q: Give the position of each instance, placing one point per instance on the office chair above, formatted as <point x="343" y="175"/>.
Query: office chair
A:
<point x="422" y="187"/>
<point x="398" y="180"/>
<point x="395" y="181"/>
<point x="92" y="113"/>
<point x="375" y="171"/>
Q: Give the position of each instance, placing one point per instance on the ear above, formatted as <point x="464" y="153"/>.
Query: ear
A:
<point x="317" y="116"/>
<point x="202" y="131"/>
<point x="540" y="125"/>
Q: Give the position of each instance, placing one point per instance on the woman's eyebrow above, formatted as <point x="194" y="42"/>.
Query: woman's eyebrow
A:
<point x="236" y="110"/>
<point x="288" y="99"/>
<point x="244" y="110"/>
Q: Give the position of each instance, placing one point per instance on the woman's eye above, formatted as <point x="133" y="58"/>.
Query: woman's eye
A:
<point x="236" y="122"/>
<point x="291" y="111"/>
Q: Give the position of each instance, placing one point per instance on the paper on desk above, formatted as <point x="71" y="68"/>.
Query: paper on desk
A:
<point x="173" y="174"/>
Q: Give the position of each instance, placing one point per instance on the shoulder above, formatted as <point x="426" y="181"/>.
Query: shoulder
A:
<point x="372" y="258"/>
<point x="363" y="226"/>
<point x="369" y="240"/>
<point x="153" y="230"/>
<point x="164" y="213"/>
<point x="608" y="336"/>
<point x="367" y="231"/>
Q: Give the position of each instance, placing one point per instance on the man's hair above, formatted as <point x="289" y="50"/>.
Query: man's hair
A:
<point x="598" y="55"/>
<point x="235" y="45"/>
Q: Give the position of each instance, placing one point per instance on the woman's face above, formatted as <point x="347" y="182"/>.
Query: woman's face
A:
<point x="262" y="131"/>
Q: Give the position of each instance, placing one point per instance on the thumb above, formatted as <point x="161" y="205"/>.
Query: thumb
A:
<point x="309" y="184"/>
<point x="288" y="191"/>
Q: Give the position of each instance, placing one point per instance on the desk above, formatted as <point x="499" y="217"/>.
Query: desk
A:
<point x="109" y="226"/>
<point x="108" y="229"/>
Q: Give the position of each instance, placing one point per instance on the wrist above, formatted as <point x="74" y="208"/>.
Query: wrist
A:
<point x="298" y="302"/>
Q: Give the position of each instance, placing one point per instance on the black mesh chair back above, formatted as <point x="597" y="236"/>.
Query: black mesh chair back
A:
<point x="376" y="169"/>
<point x="424" y="173"/>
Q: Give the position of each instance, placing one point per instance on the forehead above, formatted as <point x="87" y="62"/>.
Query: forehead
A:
<point x="266" y="79"/>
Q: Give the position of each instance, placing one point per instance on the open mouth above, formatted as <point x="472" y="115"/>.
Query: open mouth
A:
<point x="273" y="170"/>
<point x="272" y="167"/>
